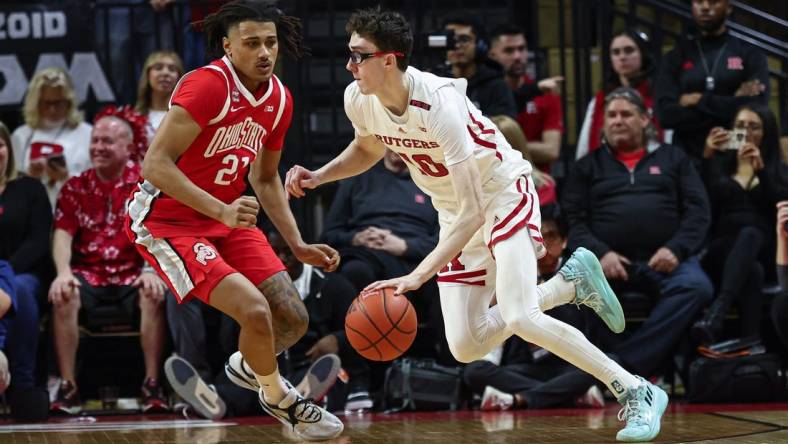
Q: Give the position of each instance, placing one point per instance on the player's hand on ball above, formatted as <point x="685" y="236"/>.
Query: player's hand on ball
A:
<point x="242" y="213"/>
<point x="299" y="178"/>
<point x="401" y="285"/>
<point x="319" y="255"/>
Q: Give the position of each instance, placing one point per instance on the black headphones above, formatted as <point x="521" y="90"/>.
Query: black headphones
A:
<point x="482" y="47"/>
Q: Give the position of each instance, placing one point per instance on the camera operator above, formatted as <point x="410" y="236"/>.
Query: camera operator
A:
<point x="468" y="58"/>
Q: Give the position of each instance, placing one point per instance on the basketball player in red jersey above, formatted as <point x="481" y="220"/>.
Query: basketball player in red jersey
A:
<point x="190" y="222"/>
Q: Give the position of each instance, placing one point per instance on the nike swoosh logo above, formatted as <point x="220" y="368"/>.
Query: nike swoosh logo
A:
<point x="237" y="109"/>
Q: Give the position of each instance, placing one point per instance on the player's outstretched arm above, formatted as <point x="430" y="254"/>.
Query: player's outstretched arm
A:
<point x="359" y="156"/>
<point x="465" y="177"/>
<point x="267" y="185"/>
<point x="177" y="131"/>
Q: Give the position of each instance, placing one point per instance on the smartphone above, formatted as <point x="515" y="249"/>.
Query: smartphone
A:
<point x="737" y="139"/>
<point x="59" y="161"/>
<point x="43" y="150"/>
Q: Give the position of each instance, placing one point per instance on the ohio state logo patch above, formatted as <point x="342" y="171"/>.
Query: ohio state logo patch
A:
<point x="204" y="253"/>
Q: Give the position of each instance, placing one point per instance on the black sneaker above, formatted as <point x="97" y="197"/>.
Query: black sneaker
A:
<point x="309" y="421"/>
<point x="358" y="401"/>
<point x="321" y="376"/>
<point x="67" y="399"/>
<point x="188" y="384"/>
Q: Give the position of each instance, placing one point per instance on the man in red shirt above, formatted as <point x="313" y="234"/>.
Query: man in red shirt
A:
<point x="96" y="263"/>
<point x="539" y="109"/>
<point x="192" y="224"/>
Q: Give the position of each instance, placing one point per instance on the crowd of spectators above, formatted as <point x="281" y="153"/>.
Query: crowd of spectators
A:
<point x="660" y="191"/>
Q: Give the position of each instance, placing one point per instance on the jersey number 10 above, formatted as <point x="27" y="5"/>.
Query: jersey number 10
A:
<point x="426" y="165"/>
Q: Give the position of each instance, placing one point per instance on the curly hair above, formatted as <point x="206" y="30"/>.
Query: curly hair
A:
<point x="53" y="78"/>
<point x="388" y="30"/>
<point x="144" y="89"/>
<point x="217" y="25"/>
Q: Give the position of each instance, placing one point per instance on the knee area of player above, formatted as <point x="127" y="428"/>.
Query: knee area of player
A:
<point x="465" y="352"/>
<point x="524" y="323"/>
<point x="467" y="347"/>
<point x="257" y="316"/>
<point x="298" y="320"/>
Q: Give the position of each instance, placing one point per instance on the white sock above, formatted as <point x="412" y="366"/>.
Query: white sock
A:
<point x="556" y="291"/>
<point x="273" y="386"/>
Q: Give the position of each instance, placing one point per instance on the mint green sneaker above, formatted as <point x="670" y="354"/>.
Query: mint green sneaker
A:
<point x="592" y="289"/>
<point x="643" y="409"/>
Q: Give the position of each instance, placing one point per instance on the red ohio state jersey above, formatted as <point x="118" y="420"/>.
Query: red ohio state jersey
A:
<point x="236" y="124"/>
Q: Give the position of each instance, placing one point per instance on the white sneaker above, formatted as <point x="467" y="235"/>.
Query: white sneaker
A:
<point x="494" y="399"/>
<point x="593" y="398"/>
<point x="308" y="420"/>
<point x="495" y="355"/>
<point x="239" y="372"/>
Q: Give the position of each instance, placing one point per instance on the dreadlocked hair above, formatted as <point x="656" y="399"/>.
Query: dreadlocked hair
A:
<point x="288" y="28"/>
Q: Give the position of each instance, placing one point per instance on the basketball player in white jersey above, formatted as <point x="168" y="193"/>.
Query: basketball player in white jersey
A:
<point x="489" y="215"/>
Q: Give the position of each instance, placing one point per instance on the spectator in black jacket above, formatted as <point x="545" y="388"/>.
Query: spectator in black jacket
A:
<point x="784" y="134"/>
<point x="744" y="186"/>
<point x="641" y="207"/>
<point x="707" y="77"/>
<point x="780" y="304"/>
<point x="25" y="227"/>
<point x="486" y="86"/>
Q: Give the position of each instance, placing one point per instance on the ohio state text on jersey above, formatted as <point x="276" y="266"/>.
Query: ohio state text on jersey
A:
<point x="236" y="124"/>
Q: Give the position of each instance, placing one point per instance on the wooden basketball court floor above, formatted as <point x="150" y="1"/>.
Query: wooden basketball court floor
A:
<point x="741" y="423"/>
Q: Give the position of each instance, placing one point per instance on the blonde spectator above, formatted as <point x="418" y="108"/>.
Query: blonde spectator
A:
<point x="53" y="143"/>
<point x="160" y="74"/>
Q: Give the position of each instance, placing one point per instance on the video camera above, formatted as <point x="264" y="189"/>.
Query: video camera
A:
<point x="441" y="40"/>
<point x="433" y="47"/>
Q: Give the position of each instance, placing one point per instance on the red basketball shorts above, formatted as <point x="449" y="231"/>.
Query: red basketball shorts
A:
<point x="193" y="266"/>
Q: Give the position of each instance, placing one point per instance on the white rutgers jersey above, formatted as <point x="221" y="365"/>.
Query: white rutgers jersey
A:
<point x="441" y="127"/>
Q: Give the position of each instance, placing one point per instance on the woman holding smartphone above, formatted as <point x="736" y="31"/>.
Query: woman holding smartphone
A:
<point x="744" y="180"/>
<point x="53" y="143"/>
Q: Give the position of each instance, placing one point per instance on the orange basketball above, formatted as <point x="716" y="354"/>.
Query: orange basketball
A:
<point x="380" y="325"/>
